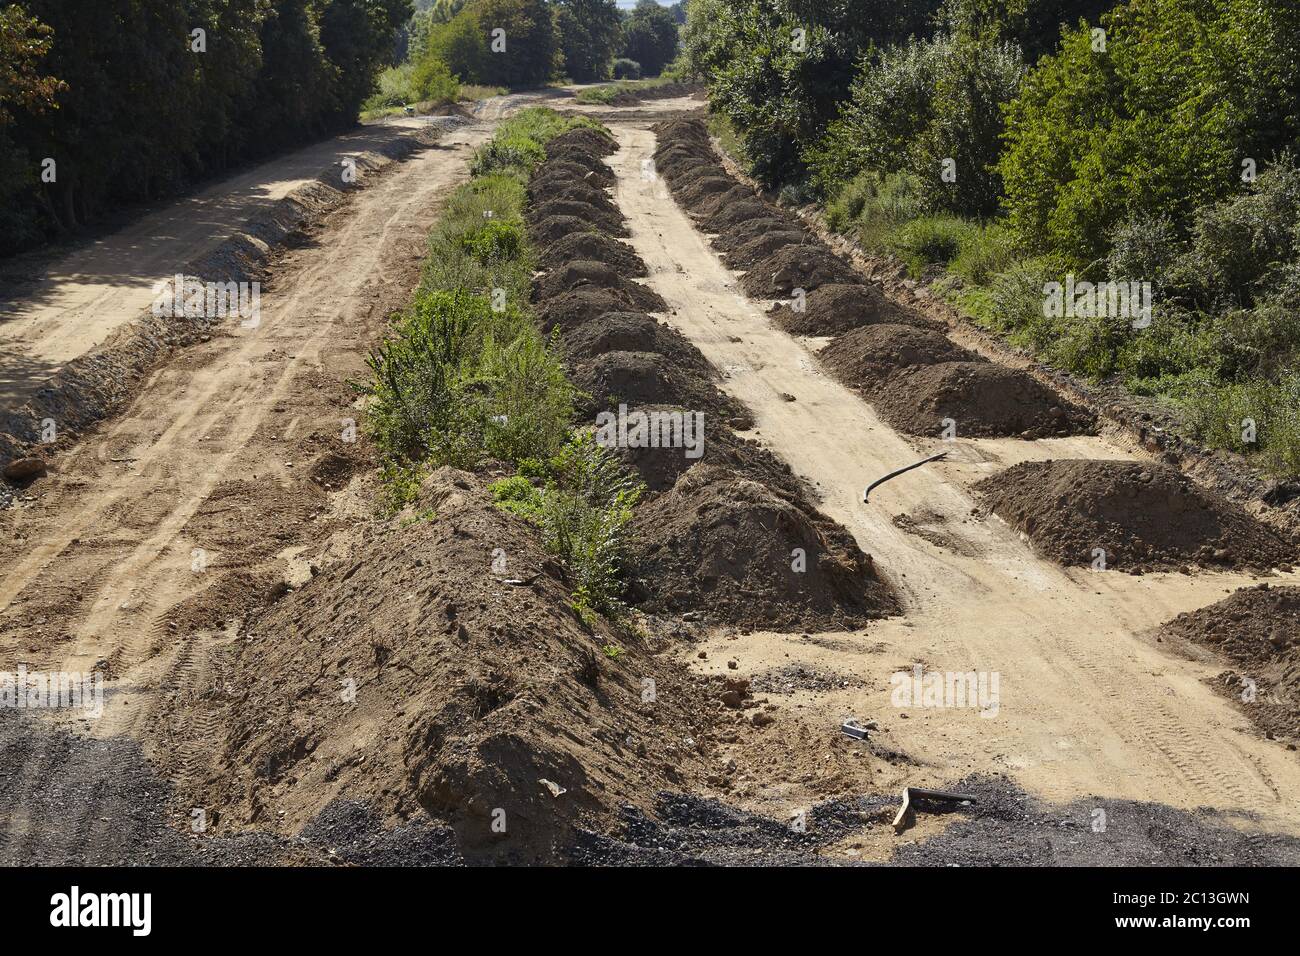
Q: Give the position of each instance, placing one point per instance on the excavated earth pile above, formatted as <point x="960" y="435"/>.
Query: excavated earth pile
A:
<point x="1258" y="630"/>
<point x="865" y="357"/>
<point x="743" y="555"/>
<point x="883" y="349"/>
<point x="415" y="677"/>
<point x="1143" y="516"/>
<point x="617" y="354"/>
<point x="984" y="399"/>
<point x="834" y="308"/>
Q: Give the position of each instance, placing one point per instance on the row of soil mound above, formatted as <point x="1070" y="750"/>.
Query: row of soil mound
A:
<point x="1258" y="630"/>
<point x="1143" y="516"/>
<point x="881" y="347"/>
<point x="419" y="676"/>
<point x="728" y="530"/>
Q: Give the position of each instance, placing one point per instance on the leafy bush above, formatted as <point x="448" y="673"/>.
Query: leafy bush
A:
<point x="1157" y="123"/>
<point x="917" y="106"/>
<point x="583" y="506"/>
<point x="873" y="207"/>
<point x="625" y="69"/>
<point x="930" y="240"/>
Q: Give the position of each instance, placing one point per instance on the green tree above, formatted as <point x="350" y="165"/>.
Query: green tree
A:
<point x="531" y="51"/>
<point x="589" y="37"/>
<point x="650" y="37"/>
<point x="1159" y="122"/>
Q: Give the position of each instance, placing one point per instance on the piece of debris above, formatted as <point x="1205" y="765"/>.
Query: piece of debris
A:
<point x="851" y="728"/>
<point x="894" y="474"/>
<point x="552" y="786"/>
<point x="907" y="813"/>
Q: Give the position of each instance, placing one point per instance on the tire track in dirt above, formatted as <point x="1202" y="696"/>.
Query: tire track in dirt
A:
<point x="211" y="417"/>
<point x="1088" y="706"/>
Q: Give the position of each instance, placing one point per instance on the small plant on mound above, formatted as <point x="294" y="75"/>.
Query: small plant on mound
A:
<point x="582" y="501"/>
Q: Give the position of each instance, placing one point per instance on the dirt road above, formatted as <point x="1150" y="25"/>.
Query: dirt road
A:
<point x="219" y="467"/>
<point x="1089" y="705"/>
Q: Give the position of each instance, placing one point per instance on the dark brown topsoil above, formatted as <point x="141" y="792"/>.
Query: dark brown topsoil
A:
<point x="574" y="192"/>
<point x="985" y="400"/>
<point x="834" y="308"/>
<point x="804" y="267"/>
<point x="595" y="247"/>
<point x="631" y="332"/>
<point x="594" y="217"/>
<point x="752" y="229"/>
<point x="584" y="273"/>
<point x="660" y="468"/>
<point x="1145" y="516"/>
<point x="647" y="378"/>
<point x="734" y="213"/>
<point x="695" y="186"/>
<point x="574" y="168"/>
<point x="728" y="546"/>
<point x="865" y="357"/>
<point x="583" y="304"/>
<point x="756" y="250"/>
<point x="1258" y="630"/>
<point x="584" y="140"/>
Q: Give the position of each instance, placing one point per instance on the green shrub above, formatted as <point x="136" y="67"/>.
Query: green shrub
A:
<point x="1160" y="122"/>
<point x="930" y="240"/>
<point x="583" y="507"/>
<point x="625" y="69"/>
<point x="985" y="252"/>
<point x="872" y="208"/>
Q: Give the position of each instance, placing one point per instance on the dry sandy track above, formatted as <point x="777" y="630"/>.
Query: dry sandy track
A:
<point x="212" y="455"/>
<point x="1089" y="705"/>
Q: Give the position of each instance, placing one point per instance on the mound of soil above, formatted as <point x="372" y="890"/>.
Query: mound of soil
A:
<point x="1144" y="516"/>
<point x="756" y="250"/>
<point x="586" y="140"/>
<point x="647" y="378"/>
<point x="711" y="206"/>
<point x="984" y="399"/>
<point x="593" y="247"/>
<point x="1258" y="630"/>
<point x="710" y="172"/>
<point x="835" y="308"/>
<point x="631" y="332"/>
<point x="795" y="267"/>
<point x="660" y="467"/>
<point x="594" y="217"/>
<point x="865" y="357"/>
<point x="753" y="229"/>
<point x="730" y="547"/>
<point x="733" y="213"/>
<point x="705" y="187"/>
<point x="682" y="130"/>
<point x="413" y="677"/>
<point x="581" y="273"/>
<point x="583" y="304"/>
<point x="593" y="172"/>
<point x="572" y="192"/>
<point x="554" y="228"/>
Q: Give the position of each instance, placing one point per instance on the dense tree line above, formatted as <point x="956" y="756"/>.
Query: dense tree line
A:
<point x="133" y="99"/>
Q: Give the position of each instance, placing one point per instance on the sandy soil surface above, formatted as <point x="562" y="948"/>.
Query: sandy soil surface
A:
<point x="1090" y="703"/>
<point x="221" y="468"/>
<point x="55" y="309"/>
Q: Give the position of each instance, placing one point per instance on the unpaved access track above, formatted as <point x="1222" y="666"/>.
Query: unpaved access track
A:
<point x="1090" y="704"/>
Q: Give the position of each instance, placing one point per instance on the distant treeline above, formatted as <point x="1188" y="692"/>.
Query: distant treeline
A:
<point x="110" y="102"/>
